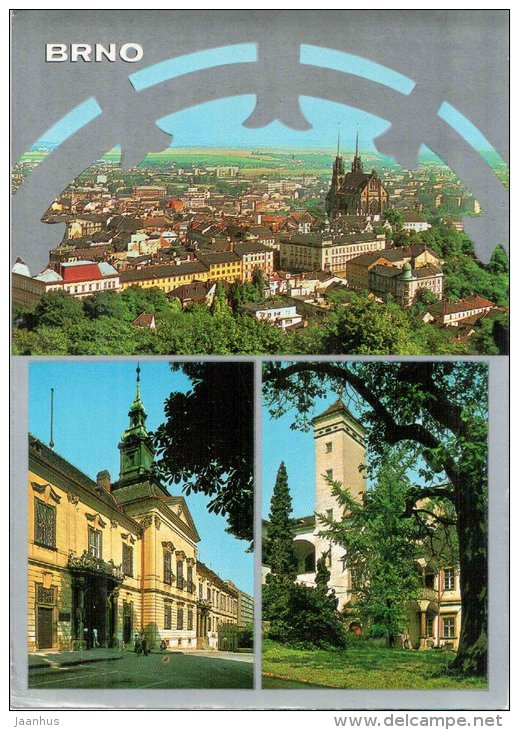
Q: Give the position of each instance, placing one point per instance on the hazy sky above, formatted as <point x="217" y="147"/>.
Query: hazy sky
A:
<point x="91" y="405"/>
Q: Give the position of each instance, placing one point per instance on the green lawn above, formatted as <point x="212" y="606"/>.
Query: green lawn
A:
<point x="364" y="667"/>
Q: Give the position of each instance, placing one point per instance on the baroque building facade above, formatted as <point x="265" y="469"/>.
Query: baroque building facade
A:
<point x="107" y="560"/>
<point x="340" y="455"/>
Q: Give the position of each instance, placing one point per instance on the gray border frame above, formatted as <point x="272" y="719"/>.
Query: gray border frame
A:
<point x="278" y="59"/>
<point x="495" y="698"/>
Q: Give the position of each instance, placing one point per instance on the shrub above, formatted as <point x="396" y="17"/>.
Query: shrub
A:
<point x="302" y="616"/>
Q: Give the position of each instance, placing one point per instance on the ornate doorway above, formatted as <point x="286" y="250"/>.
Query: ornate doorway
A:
<point x="95" y="588"/>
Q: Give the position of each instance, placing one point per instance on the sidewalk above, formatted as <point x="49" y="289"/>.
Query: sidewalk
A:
<point x="69" y="658"/>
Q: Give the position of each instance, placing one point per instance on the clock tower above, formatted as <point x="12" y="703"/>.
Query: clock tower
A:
<point x="136" y="448"/>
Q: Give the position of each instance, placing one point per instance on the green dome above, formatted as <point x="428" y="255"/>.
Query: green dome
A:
<point x="407" y="271"/>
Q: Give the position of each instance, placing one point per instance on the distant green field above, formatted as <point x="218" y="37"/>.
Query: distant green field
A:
<point x="254" y="162"/>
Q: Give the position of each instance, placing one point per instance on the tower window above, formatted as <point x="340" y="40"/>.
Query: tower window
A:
<point x="329" y="447"/>
<point x="329" y="474"/>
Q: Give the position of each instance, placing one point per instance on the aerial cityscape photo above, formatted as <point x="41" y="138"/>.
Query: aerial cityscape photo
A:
<point x="238" y="241"/>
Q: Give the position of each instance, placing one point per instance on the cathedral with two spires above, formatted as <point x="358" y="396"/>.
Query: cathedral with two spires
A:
<point x="355" y="192"/>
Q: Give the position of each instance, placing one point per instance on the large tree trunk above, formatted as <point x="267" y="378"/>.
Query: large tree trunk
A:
<point x="472" y="535"/>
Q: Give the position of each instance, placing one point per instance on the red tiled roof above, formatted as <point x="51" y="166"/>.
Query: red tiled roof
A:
<point x="473" y="301"/>
<point x="82" y="272"/>
<point x="144" y="320"/>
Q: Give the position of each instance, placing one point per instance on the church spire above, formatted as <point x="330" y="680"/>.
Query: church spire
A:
<point x="138" y="391"/>
<point x="136" y="447"/>
<point x="338" y="139"/>
<point x="356" y="165"/>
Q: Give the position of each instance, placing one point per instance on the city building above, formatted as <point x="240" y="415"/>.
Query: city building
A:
<point x="279" y="313"/>
<point x="254" y="256"/>
<point x="414" y="222"/>
<point x="340" y="455"/>
<point x="218" y="603"/>
<point x="150" y="191"/>
<point x="327" y="251"/>
<point x="400" y="271"/>
<point x="164" y="276"/>
<point x="78" y="278"/>
<point x="405" y="283"/>
<point x="245" y="609"/>
<point x="26" y="290"/>
<point x="355" y="192"/>
<point x="454" y="313"/>
<point x="109" y="559"/>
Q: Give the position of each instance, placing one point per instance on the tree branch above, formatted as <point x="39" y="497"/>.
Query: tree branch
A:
<point x="393" y="431"/>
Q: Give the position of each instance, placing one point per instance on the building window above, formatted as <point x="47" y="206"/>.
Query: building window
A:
<point x="190" y="620"/>
<point x="45" y="524"/>
<point x="448" y="627"/>
<point x="180" y="574"/>
<point x="429" y="580"/>
<point x="95" y="544"/>
<point x="190" y="584"/>
<point x="329" y="474"/>
<point x="200" y="591"/>
<point x="167" y="567"/>
<point x="448" y="579"/>
<point x="127" y="560"/>
<point x="329" y="447"/>
<point x="167" y="615"/>
<point x="180" y="618"/>
<point x="429" y="626"/>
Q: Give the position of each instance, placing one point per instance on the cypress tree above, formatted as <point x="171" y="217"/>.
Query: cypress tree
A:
<point x="279" y="551"/>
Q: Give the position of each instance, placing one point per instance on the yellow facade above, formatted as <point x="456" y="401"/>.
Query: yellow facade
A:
<point x="229" y="271"/>
<point x="167" y="279"/>
<point x="166" y="283"/>
<point x="109" y="560"/>
<point x="52" y="581"/>
<point x="220" y="610"/>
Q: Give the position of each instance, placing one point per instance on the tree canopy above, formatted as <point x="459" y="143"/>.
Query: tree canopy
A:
<point x="207" y="440"/>
<point x="382" y="547"/>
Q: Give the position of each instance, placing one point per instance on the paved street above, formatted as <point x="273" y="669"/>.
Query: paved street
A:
<point x="160" y="671"/>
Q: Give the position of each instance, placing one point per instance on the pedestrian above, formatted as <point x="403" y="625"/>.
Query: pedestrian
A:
<point x="163" y="645"/>
<point x="145" y="649"/>
<point x="138" y="644"/>
<point x="95" y="642"/>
